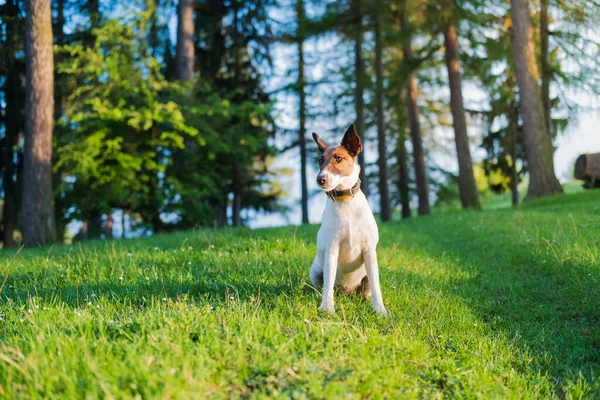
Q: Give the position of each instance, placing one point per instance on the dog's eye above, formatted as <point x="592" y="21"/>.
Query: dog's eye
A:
<point x="338" y="159"/>
<point x="320" y="160"/>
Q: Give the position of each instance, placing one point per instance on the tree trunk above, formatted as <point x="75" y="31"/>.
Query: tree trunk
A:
<point x="108" y="227"/>
<point x="93" y="10"/>
<point x="9" y="210"/>
<point x="540" y="161"/>
<point x="412" y="94"/>
<point x="12" y="98"/>
<point x="469" y="196"/>
<point x="302" y="110"/>
<point x="545" y="63"/>
<point x="236" y="207"/>
<point x="184" y="52"/>
<point x="514" y="174"/>
<point x="58" y="31"/>
<point x="359" y="66"/>
<point x="38" y="205"/>
<point x="384" y="197"/>
<point x="152" y="7"/>
<point x="403" y="174"/>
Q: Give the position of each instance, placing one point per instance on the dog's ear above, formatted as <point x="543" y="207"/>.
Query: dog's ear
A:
<point x="322" y="145"/>
<point x="351" y="141"/>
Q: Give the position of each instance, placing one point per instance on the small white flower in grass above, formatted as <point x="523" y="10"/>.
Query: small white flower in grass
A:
<point x="475" y="324"/>
<point x="30" y="311"/>
<point x="97" y="306"/>
<point x="121" y="278"/>
<point x="45" y="308"/>
<point x="156" y="249"/>
<point x="78" y="314"/>
<point x="270" y="262"/>
<point x="21" y="320"/>
<point x="175" y="251"/>
<point x="93" y="295"/>
<point x="112" y="321"/>
<point x="147" y="278"/>
<point x="212" y="246"/>
<point x="89" y="303"/>
<point x="164" y="299"/>
<point x="189" y="263"/>
<point x="36" y="306"/>
<point x="277" y="240"/>
<point x="129" y="254"/>
<point x="190" y="247"/>
<point x="231" y="297"/>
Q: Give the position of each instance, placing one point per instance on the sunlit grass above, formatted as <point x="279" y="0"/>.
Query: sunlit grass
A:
<point x="493" y="304"/>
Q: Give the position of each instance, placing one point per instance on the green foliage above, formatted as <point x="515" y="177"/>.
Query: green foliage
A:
<point x="131" y="139"/>
<point x="494" y="304"/>
<point x="121" y="121"/>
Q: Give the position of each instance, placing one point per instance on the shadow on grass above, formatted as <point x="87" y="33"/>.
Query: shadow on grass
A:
<point x="547" y="307"/>
<point x="215" y="289"/>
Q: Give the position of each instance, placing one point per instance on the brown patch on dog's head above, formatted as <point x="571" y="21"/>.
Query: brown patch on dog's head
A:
<point x="338" y="161"/>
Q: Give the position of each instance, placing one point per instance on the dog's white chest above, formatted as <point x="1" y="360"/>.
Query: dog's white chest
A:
<point x="350" y="225"/>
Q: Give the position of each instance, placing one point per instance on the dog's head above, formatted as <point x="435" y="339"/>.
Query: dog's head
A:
<point x="337" y="163"/>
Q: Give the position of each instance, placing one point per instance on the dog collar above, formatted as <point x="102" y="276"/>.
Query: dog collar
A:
<point x="344" y="195"/>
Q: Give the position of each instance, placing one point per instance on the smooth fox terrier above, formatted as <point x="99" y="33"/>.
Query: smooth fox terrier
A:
<point x="347" y="241"/>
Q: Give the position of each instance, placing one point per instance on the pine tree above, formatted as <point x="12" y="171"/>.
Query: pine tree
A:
<point x="38" y="206"/>
<point x="469" y="196"/>
<point x="540" y="160"/>
<point x="384" y="198"/>
<point x="300" y="37"/>
<point x="412" y="91"/>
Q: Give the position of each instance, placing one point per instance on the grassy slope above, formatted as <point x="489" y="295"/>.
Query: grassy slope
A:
<point x="503" y="303"/>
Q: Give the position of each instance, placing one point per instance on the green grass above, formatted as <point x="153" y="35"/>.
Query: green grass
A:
<point x="494" y="304"/>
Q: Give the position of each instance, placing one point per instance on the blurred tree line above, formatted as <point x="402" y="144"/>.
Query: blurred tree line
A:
<point x="105" y="111"/>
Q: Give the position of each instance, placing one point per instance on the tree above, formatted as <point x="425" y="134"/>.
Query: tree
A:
<point x="38" y="205"/>
<point x="13" y="118"/>
<point x="359" y="72"/>
<point x="300" y="15"/>
<point x="469" y="196"/>
<point x="545" y="65"/>
<point x="184" y="53"/>
<point x="228" y="171"/>
<point x="540" y="160"/>
<point x="403" y="177"/>
<point x="384" y="198"/>
<point x="412" y="91"/>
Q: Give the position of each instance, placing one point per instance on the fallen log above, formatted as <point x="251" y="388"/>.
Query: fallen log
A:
<point x="587" y="169"/>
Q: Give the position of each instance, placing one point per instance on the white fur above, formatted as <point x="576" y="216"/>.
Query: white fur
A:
<point x="346" y="246"/>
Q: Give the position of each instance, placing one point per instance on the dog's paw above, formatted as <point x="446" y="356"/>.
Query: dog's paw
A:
<point x="327" y="306"/>
<point x="381" y="311"/>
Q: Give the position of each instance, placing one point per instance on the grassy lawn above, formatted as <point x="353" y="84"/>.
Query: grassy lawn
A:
<point x="495" y="304"/>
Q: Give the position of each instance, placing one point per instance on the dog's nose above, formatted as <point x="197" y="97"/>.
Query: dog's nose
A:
<point x="321" y="180"/>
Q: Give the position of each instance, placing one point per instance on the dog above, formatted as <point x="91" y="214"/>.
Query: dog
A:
<point x="347" y="240"/>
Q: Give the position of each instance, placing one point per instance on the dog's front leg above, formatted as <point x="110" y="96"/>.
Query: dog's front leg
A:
<point x="370" y="257"/>
<point x="329" y="271"/>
